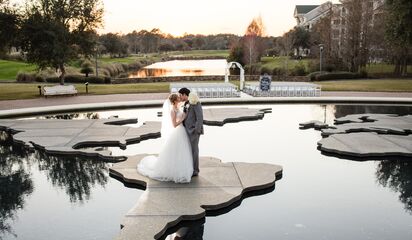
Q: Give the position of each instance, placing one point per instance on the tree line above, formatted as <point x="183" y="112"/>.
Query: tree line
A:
<point x="368" y="33"/>
<point x="155" y="40"/>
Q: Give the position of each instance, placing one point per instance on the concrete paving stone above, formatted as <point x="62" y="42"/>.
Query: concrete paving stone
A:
<point x="402" y="141"/>
<point x="109" y="131"/>
<point x="366" y="144"/>
<point x="217" y="186"/>
<point x="221" y="116"/>
<point x="155" y="224"/>
<point x="51" y="132"/>
<point x="382" y="123"/>
<point x="257" y="176"/>
<point x="184" y="201"/>
<point x="314" y="124"/>
<point x="360" y="118"/>
<point x="43" y="142"/>
<point x="79" y="136"/>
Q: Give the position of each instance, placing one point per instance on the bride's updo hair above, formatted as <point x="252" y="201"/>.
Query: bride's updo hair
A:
<point x="174" y="97"/>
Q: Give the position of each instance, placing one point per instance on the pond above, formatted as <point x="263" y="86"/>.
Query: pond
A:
<point x="182" y="68"/>
<point x="319" y="197"/>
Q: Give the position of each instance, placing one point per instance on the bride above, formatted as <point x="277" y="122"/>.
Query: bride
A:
<point x="174" y="162"/>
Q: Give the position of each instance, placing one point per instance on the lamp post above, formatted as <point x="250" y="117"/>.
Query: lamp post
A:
<point x="96" y="49"/>
<point x="320" y="53"/>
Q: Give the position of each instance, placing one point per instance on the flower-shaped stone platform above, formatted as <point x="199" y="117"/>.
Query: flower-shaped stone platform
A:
<point x="165" y="204"/>
<point x="57" y="136"/>
<point x="368" y="135"/>
<point x="221" y="116"/>
<point x="87" y="136"/>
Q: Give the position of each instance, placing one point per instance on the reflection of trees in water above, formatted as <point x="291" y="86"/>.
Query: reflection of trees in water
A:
<point x="15" y="185"/>
<point x="149" y="72"/>
<point x="77" y="176"/>
<point x="343" y="110"/>
<point x="68" y="116"/>
<point x="397" y="175"/>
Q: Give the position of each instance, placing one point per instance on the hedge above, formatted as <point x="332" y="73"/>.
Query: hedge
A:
<point x="324" y="76"/>
<point x="80" y="79"/>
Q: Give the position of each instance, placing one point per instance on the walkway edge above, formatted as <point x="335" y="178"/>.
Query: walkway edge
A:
<point x="25" y="112"/>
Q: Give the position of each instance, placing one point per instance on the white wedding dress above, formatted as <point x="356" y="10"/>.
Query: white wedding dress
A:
<point x="175" y="162"/>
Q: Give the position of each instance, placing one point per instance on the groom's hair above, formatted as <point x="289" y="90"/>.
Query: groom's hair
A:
<point x="184" y="91"/>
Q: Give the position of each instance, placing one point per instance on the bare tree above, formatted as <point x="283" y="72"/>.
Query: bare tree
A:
<point x="253" y="42"/>
<point x="356" y="40"/>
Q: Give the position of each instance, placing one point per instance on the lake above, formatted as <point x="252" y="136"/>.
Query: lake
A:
<point x="182" y="68"/>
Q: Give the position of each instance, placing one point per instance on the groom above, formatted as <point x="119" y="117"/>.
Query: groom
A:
<point x="193" y="123"/>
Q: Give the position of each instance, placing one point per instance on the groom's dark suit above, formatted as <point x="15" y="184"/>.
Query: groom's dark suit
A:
<point x="194" y="128"/>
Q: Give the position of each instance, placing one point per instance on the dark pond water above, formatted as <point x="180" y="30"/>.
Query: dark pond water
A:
<point x="319" y="197"/>
<point x="182" y="68"/>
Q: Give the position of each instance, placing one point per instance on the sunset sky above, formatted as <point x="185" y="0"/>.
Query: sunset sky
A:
<point x="199" y="16"/>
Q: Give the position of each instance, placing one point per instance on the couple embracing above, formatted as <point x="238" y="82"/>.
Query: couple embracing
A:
<point x="182" y="125"/>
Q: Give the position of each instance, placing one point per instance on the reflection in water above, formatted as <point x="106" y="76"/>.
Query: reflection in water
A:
<point x="15" y="185"/>
<point x="182" y="68"/>
<point x="397" y="175"/>
<point x="194" y="232"/>
<point x="69" y="116"/>
<point x="149" y="72"/>
<point x="343" y="110"/>
<point x="156" y="72"/>
<point x="76" y="175"/>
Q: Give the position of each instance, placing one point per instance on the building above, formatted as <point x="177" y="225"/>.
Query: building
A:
<point x="308" y="15"/>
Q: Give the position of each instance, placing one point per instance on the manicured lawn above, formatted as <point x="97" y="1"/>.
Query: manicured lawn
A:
<point x="11" y="91"/>
<point x="9" y="69"/>
<point x="379" y="85"/>
<point x="156" y="57"/>
<point x="281" y="62"/>
<point x="383" y="68"/>
<point x="201" y="53"/>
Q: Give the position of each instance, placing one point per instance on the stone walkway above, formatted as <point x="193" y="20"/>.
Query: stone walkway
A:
<point x="56" y="101"/>
<point x="165" y="204"/>
<point x="366" y="135"/>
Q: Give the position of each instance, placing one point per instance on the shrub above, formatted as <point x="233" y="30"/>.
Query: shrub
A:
<point x="135" y="66"/>
<point x="298" y="70"/>
<point x="313" y="66"/>
<point x="25" y="77"/>
<point x="253" y="69"/>
<point x="334" y="76"/>
<point x="266" y="70"/>
<point x="80" y="79"/>
<point x="312" y="75"/>
<point x="123" y="75"/>
<point x="278" y="71"/>
<point x="39" y="78"/>
<point x="86" y="68"/>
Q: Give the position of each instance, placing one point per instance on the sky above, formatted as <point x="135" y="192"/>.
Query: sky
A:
<point x="199" y="16"/>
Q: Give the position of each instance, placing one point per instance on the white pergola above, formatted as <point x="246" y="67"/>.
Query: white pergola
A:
<point x="242" y="73"/>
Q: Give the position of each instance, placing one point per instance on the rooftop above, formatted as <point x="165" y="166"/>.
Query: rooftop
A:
<point x="303" y="9"/>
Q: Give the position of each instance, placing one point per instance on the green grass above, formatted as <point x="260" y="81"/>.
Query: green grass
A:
<point x="9" y="69"/>
<point x="383" y="68"/>
<point x="362" y="85"/>
<point x="201" y="53"/>
<point x="156" y="57"/>
<point x="280" y="62"/>
<point x="12" y="91"/>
